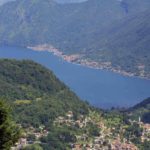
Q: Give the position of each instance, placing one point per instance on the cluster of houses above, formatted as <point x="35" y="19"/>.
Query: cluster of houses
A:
<point x="118" y="145"/>
<point x="69" y="121"/>
<point x="100" y="143"/>
<point x="26" y="141"/>
<point x="105" y="141"/>
<point x="146" y="131"/>
<point x="55" y="51"/>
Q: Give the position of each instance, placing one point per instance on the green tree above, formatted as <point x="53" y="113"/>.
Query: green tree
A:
<point x="93" y="130"/>
<point x="9" y="131"/>
<point x="145" y="145"/>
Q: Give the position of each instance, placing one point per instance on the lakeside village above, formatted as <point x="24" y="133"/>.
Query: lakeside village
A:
<point x="78" y="59"/>
<point x="107" y="138"/>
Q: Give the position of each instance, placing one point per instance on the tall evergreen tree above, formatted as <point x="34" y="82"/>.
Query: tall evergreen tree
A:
<point x="9" y="131"/>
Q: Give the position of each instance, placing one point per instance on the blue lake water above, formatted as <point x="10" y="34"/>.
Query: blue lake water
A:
<point x="99" y="87"/>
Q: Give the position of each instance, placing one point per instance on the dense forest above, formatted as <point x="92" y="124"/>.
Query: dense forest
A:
<point x="53" y="117"/>
<point x="30" y="87"/>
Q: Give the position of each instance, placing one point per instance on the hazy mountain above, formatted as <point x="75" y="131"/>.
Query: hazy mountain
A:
<point x="5" y="1"/>
<point x="59" y="1"/>
<point x="97" y="29"/>
<point x="129" y="40"/>
<point x="70" y="1"/>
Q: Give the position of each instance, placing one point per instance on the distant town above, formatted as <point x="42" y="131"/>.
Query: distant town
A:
<point x="79" y="59"/>
<point x="107" y="138"/>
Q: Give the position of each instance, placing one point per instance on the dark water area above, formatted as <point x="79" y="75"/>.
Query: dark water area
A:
<point x="100" y="88"/>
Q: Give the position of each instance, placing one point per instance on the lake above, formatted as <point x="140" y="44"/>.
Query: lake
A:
<point x="100" y="88"/>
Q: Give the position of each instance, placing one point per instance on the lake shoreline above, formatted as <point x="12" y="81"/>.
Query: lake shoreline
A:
<point x="101" y="88"/>
<point x="79" y="60"/>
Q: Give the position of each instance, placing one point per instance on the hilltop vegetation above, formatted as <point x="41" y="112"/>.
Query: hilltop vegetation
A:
<point x="37" y="96"/>
<point x="99" y="30"/>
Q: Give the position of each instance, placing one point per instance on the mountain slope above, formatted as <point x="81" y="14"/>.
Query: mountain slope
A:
<point x="141" y="110"/>
<point x="37" y="96"/>
<point x="95" y="29"/>
<point x="129" y="41"/>
<point x="52" y="22"/>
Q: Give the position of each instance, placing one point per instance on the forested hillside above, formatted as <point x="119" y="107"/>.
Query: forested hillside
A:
<point x="37" y="96"/>
<point x="109" y="32"/>
<point x="53" y="117"/>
